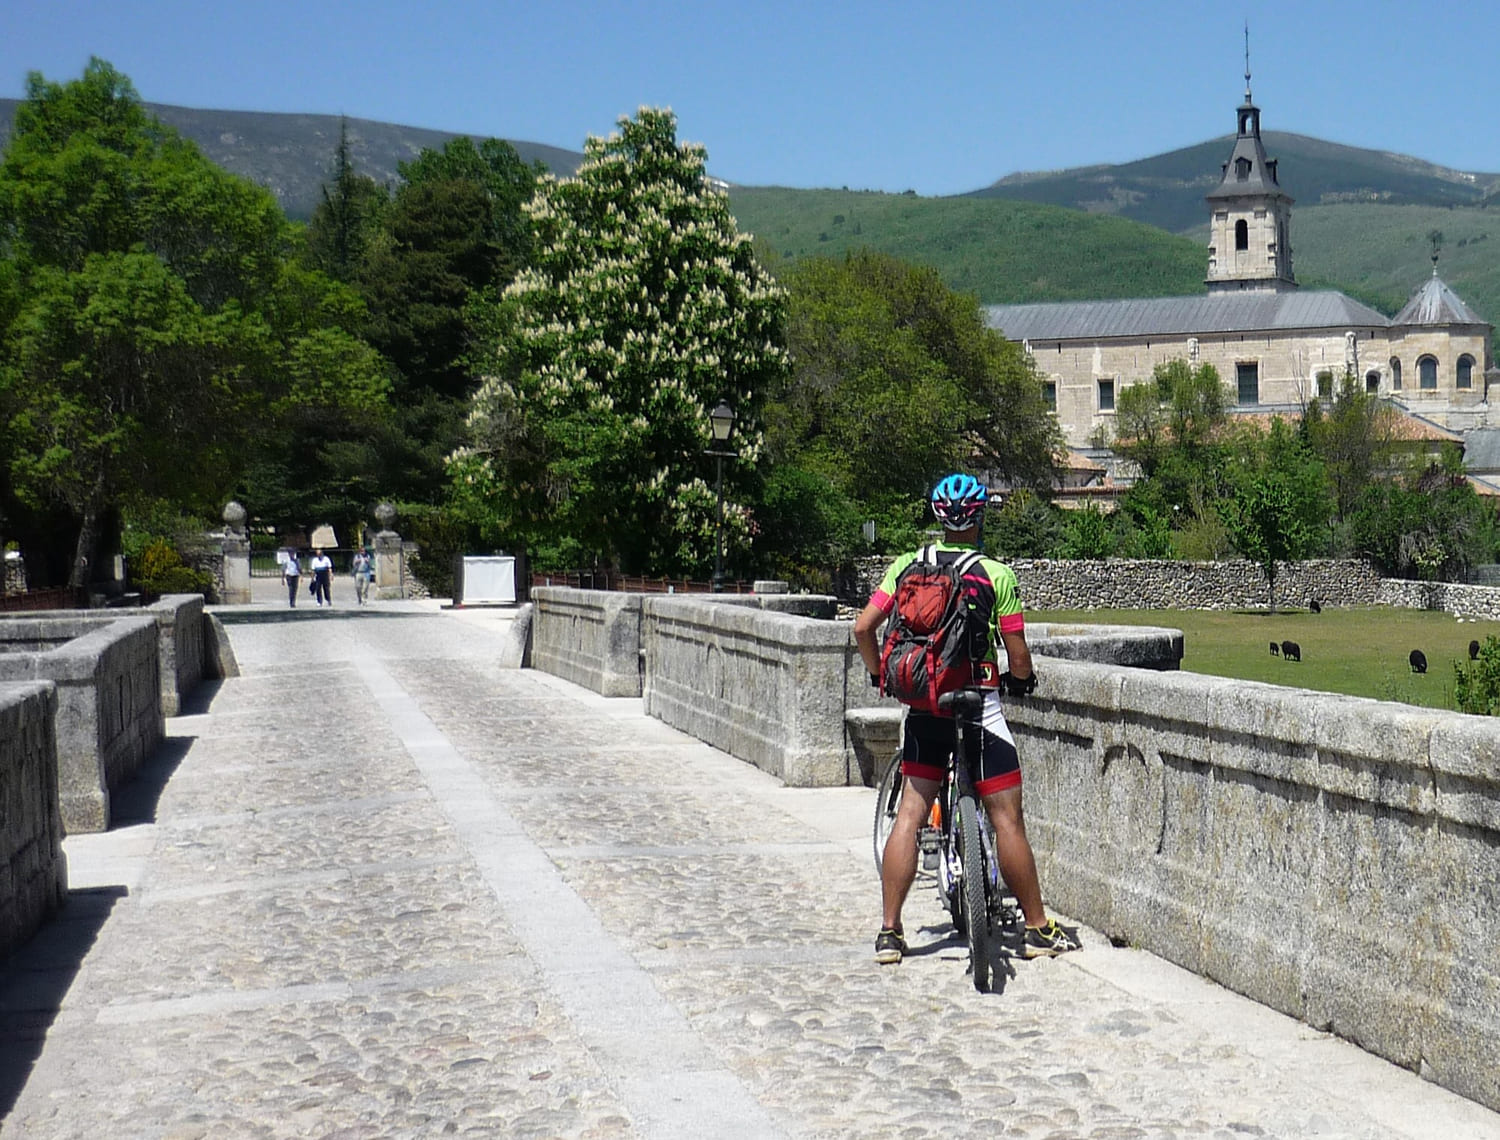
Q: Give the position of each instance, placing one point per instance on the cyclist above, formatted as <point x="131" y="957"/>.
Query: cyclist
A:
<point x="959" y="503"/>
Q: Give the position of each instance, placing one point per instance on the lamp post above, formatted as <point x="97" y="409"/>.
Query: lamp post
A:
<point x="722" y="419"/>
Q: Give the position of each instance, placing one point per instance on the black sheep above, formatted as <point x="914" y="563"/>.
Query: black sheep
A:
<point x="1313" y="605"/>
<point x="1473" y="651"/>
<point x="1418" y="661"/>
<point x="1291" y="651"/>
<point x="1275" y="649"/>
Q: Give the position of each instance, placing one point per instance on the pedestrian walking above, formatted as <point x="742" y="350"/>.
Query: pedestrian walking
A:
<point x="291" y="575"/>
<point x="364" y="571"/>
<point x="322" y="569"/>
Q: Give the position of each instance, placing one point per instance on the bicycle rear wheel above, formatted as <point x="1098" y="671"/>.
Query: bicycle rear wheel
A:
<point x="975" y="892"/>
<point x="887" y="800"/>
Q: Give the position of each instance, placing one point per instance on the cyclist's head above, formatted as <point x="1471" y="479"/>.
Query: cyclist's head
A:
<point x="959" y="501"/>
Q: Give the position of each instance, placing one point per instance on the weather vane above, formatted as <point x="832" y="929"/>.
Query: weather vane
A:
<point x="1247" y="61"/>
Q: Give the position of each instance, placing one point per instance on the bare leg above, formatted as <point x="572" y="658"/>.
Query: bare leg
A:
<point x="898" y="866"/>
<point x="1013" y="850"/>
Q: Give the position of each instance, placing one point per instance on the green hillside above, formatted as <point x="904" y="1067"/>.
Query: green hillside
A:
<point x="1167" y="190"/>
<point x="1001" y="251"/>
<point x="1382" y="252"/>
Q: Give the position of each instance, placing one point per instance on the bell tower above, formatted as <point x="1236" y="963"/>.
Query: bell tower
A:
<point x="1249" y="233"/>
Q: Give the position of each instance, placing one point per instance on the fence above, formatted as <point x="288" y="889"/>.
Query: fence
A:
<point x="60" y="598"/>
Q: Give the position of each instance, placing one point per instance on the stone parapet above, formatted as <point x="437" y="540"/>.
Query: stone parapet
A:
<point x="766" y="687"/>
<point x="108" y="696"/>
<point x="589" y="637"/>
<point x="1333" y="857"/>
<point x="33" y="871"/>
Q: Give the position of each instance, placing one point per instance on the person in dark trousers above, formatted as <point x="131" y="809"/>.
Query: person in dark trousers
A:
<point x="322" y="568"/>
<point x="291" y="574"/>
<point x="959" y="503"/>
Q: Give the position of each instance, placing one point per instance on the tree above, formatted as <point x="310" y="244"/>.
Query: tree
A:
<point x="1428" y="523"/>
<point x="897" y="381"/>
<point x="642" y="308"/>
<point x="156" y="321"/>
<point x="346" y="224"/>
<point x="1355" y="437"/>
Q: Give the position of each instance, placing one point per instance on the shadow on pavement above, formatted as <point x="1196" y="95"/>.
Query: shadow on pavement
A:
<point x="135" y="802"/>
<point x="264" y="616"/>
<point x="36" y="978"/>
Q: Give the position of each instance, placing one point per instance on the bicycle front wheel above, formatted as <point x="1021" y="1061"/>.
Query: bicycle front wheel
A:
<point x="975" y="892"/>
<point x="887" y="800"/>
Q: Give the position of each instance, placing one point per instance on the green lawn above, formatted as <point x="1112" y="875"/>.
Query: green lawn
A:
<point x="1361" y="652"/>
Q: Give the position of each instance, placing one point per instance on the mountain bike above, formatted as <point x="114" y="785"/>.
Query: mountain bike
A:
<point x="957" y="843"/>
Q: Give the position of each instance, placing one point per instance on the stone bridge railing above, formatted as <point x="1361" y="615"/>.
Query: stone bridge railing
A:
<point x="1333" y="857"/>
<point x="33" y="873"/>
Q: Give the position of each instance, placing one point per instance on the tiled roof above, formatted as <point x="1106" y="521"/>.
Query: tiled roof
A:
<point x="1251" y="311"/>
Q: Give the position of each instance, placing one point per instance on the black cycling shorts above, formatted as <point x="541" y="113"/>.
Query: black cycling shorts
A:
<point x="927" y="748"/>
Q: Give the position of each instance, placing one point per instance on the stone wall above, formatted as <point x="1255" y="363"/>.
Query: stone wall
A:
<point x="109" y="714"/>
<point x="593" y="637"/>
<point x="33" y="871"/>
<point x="1332" y="857"/>
<point x="1446" y="597"/>
<point x="766" y="687"/>
<point x="1118" y="583"/>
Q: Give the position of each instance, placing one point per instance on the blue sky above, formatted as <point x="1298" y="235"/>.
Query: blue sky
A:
<point x="873" y="95"/>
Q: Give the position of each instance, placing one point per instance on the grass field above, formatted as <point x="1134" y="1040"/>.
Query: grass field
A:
<point x="1362" y="652"/>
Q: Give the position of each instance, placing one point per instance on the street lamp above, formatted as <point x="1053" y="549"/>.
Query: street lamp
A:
<point x="722" y="420"/>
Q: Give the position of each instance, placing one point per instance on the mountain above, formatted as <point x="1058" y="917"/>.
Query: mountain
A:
<point x="291" y="154"/>
<point x="1167" y="190"/>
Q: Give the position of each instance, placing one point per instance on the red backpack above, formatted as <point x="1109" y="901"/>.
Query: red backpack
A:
<point x="930" y="647"/>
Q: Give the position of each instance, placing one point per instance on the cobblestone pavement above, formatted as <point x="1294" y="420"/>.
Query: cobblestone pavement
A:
<point x="379" y="886"/>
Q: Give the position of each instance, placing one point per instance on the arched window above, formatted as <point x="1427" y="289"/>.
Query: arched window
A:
<point x="1372" y="382"/>
<point x="1396" y="373"/>
<point x="1325" y="385"/>
<point x="1242" y="234"/>
<point x="1427" y="373"/>
<point x="1466" y="371"/>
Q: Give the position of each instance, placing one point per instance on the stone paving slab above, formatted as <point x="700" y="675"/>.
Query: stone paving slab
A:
<point x="436" y="897"/>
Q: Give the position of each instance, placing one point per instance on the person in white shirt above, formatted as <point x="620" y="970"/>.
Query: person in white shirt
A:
<point x="291" y="574"/>
<point x="364" y="570"/>
<point x="322" y="568"/>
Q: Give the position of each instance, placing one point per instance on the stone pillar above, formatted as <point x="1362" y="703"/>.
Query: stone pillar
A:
<point x="236" y="544"/>
<point x="390" y="557"/>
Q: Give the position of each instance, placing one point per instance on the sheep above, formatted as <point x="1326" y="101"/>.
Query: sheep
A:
<point x="1418" y="661"/>
<point x="1291" y="651"/>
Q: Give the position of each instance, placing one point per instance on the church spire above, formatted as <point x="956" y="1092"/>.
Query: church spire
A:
<point x="1250" y="214"/>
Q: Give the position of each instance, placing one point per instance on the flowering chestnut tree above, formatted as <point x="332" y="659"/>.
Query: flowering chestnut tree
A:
<point x="642" y="307"/>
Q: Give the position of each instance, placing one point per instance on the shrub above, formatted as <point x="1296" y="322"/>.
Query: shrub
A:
<point x="162" y="571"/>
<point x="1477" y="683"/>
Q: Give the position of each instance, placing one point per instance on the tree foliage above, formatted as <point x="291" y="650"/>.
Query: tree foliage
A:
<point x="155" y="320"/>
<point x="641" y="308"/>
<point x="896" y="381"/>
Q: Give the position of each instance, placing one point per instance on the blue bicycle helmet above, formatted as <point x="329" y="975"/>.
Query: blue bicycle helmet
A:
<point x="959" y="501"/>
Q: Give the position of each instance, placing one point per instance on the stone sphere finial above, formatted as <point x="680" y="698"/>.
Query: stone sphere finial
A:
<point x="385" y="514"/>
<point x="234" y="514"/>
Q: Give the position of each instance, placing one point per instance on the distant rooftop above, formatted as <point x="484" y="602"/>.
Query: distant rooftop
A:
<point x="1436" y="304"/>
<point x="1260" y="311"/>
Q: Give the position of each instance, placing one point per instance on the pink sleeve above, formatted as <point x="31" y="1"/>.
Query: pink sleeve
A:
<point x="1012" y="623"/>
<point x="882" y="601"/>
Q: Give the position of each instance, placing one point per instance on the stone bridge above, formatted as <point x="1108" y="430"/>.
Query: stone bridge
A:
<point x="385" y="883"/>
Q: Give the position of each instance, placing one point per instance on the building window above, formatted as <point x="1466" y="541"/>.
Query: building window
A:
<point x="1325" y="385"/>
<point x="1242" y="234"/>
<point x="1247" y="380"/>
<point x="1396" y="373"/>
<point x="1049" y="393"/>
<point x="1427" y="373"/>
<point x="1466" y="371"/>
<point x="1372" y="382"/>
<point x="1106" y="395"/>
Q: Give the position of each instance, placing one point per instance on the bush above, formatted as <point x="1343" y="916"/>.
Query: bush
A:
<point x="1477" y="683"/>
<point x="161" y="570"/>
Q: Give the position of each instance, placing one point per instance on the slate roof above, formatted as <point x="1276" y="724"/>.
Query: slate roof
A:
<point x="1259" y="178"/>
<point x="1436" y="304"/>
<point x="1250" y="311"/>
<point x="1482" y="449"/>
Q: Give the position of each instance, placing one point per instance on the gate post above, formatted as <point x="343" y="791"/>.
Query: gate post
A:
<point x="390" y="557"/>
<point x="236" y="548"/>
